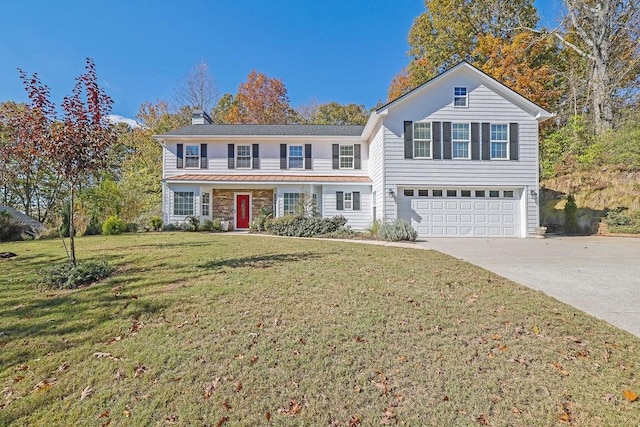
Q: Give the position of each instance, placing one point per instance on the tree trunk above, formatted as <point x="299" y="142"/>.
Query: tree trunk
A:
<point x="72" y="231"/>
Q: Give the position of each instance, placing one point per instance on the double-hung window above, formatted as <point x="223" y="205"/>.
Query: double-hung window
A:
<point x="422" y="140"/>
<point x="460" y="97"/>
<point x="291" y="202"/>
<point x="346" y="157"/>
<point x="499" y="141"/>
<point x="460" y="140"/>
<point x="243" y="156"/>
<point x="348" y="201"/>
<point x="192" y="156"/>
<point x="296" y="157"/>
<point x="183" y="203"/>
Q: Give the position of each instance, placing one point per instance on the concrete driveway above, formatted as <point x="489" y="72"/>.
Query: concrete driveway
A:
<point x="599" y="275"/>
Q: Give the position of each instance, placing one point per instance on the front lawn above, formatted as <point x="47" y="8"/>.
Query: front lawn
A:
<point x="211" y="329"/>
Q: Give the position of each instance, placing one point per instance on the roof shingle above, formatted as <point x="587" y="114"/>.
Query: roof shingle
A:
<point x="254" y="130"/>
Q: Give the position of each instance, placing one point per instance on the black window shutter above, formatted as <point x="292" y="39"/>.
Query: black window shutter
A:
<point x="408" y="140"/>
<point x="475" y="141"/>
<point x="307" y="156"/>
<point x="255" y="153"/>
<point x="513" y="141"/>
<point x="437" y="139"/>
<point x="357" y="163"/>
<point x="446" y="139"/>
<point x="335" y="155"/>
<point x="340" y="200"/>
<point x="231" y="156"/>
<point x="204" y="164"/>
<point x="486" y="141"/>
<point x="283" y="156"/>
<point x="356" y="200"/>
<point x="180" y="154"/>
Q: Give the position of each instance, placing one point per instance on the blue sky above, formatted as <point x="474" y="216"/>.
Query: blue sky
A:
<point x="328" y="50"/>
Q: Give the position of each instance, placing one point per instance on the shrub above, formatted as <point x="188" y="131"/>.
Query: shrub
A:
<point x="67" y="276"/>
<point x="396" y="231"/>
<point x="94" y="226"/>
<point x="300" y="226"/>
<point x="156" y="223"/>
<point x="132" y="227"/>
<point x="192" y="224"/>
<point x="620" y="221"/>
<point x="171" y="227"/>
<point x="374" y="228"/>
<point x="261" y="223"/>
<point x="114" y="225"/>
<point x="11" y="229"/>
<point x="571" y="225"/>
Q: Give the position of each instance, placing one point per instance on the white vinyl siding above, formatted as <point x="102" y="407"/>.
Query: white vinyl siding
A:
<point x="357" y="219"/>
<point x="460" y="141"/>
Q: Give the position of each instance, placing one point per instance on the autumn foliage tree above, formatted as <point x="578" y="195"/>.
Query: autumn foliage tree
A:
<point x="260" y="100"/>
<point x="77" y="143"/>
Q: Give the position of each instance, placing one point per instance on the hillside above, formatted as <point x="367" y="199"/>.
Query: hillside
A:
<point x="596" y="191"/>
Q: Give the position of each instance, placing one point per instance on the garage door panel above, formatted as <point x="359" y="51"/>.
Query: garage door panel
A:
<point x="457" y="216"/>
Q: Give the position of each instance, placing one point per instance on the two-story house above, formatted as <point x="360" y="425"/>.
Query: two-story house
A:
<point x="457" y="156"/>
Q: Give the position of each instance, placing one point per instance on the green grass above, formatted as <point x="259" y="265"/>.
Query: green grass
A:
<point x="203" y="329"/>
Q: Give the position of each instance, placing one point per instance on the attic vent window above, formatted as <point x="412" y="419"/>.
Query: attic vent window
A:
<point x="460" y="97"/>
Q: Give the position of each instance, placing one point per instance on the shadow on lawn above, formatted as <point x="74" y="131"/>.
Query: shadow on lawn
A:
<point x="261" y="261"/>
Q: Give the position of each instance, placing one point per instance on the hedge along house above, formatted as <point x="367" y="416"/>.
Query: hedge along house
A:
<point x="457" y="156"/>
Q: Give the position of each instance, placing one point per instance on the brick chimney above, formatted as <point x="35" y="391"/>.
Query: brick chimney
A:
<point x="200" y="117"/>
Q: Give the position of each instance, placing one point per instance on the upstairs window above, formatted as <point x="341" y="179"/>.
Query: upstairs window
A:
<point x="296" y="157"/>
<point x="422" y="140"/>
<point x="499" y="142"/>
<point x="192" y="156"/>
<point x="243" y="156"/>
<point x="346" y="157"/>
<point x="460" y="97"/>
<point x="460" y="140"/>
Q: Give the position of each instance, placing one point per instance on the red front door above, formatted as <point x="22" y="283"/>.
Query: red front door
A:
<point x="242" y="211"/>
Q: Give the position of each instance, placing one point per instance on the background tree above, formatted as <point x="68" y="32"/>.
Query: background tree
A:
<point x="334" y="113"/>
<point x="260" y="100"/>
<point x="197" y="89"/>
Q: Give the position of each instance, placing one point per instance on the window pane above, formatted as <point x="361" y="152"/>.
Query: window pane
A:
<point x="460" y="131"/>
<point x="498" y="150"/>
<point x="422" y="149"/>
<point x="461" y="150"/>
<point x="422" y="131"/>
<point x="508" y="193"/>
<point x="408" y="193"/>
<point x="348" y="201"/>
<point x="452" y="193"/>
<point x="460" y="91"/>
<point x="480" y="193"/>
<point x="346" y="150"/>
<point x="498" y="132"/>
<point x="437" y="193"/>
<point x="465" y="193"/>
<point x="494" y="193"/>
<point x="243" y="156"/>
<point x="423" y="193"/>
<point x="346" y="162"/>
<point x="192" y="156"/>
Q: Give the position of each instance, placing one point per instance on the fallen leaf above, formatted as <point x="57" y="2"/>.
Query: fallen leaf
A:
<point x="208" y="391"/>
<point x="22" y="368"/>
<point x="267" y="415"/>
<point x="119" y="375"/>
<point x="139" y="370"/>
<point x="254" y="358"/>
<point x="609" y="397"/>
<point x="354" y="421"/>
<point x="358" y="389"/>
<point x="293" y="409"/>
<point x="631" y="396"/>
<point x="536" y="330"/>
<point x="496" y="337"/>
<point x="222" y="421"/>
<point x="86" y="393"/>
<point x="238" y="387"/>
<point x="45" y="385"/>
<point x="115" y="339"/>
<point x="483" y="420"/>
<point x="105" y="414"/>
<point x="136" y="325"/>
<point x="126" y="413"/>
<point x="18" y="378"/>
<point x="226" y="405"/>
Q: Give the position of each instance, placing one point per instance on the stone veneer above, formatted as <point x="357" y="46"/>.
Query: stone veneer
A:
<point x="222" y="202"/>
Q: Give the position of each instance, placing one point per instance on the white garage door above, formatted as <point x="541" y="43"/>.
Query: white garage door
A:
<point x="462" y="212"/>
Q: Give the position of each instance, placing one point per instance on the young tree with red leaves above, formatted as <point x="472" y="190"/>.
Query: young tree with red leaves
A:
<point x="77" y="142"/>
